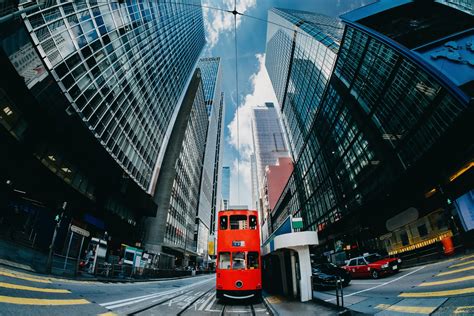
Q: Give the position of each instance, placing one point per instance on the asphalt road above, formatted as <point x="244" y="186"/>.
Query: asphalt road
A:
<point x="442" y="288"/>
<point x="29" y="294"/>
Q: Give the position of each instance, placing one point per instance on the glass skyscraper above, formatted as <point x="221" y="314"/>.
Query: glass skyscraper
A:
<point x="268" y="141"/>
<point x="301" y="51"/>
<point x="385" y="126"/>
<point x="173" y="229"/>
<point x="211" y="75"/>
<point x="92" y="91"/>
<point x="225" y="187"/>
<point x="123" y="67"/>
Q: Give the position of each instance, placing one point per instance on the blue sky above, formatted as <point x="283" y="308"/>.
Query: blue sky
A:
<point x="254" y="85"/>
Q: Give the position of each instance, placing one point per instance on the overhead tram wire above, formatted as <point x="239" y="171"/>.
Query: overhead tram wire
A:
<point x="237" y="99"/>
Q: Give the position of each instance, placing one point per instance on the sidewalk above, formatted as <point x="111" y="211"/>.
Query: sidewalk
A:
<point x="27" y="270"/>
<point x="283" y="306"/>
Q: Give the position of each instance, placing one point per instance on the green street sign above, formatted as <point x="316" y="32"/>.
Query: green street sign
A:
<point x="297" y="223"/>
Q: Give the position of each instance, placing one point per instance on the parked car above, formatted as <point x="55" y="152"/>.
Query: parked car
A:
<point x="372" y="265"/>
<point x="326" y="275"/>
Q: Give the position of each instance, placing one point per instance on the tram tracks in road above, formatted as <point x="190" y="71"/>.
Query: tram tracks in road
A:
<point x="186" y="307"/>
<point x="250" y="309"/>
<point x="166" y="300"/>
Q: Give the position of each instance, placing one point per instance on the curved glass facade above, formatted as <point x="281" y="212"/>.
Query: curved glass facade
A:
<point x="123" y="67"/>
<point x="377" y="119"/>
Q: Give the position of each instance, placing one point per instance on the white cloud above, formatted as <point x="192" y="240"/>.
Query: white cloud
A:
<point x="219" y="22"/>
<point x="262" y="91"/>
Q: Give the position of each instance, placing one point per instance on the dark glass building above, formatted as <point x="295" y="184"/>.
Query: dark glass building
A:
<point x="90" y="91"/>
<point x="387" y="148"/>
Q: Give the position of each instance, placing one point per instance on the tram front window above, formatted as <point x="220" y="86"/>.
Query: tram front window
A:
<point x="224" y="260"/>
<point x="252" y="260"/>
<point x="238" y="260"/>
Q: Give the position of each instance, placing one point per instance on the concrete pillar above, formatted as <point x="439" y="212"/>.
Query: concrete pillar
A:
<point x="284" y="281"/>
<point x="305" y="273"/>
<point x="293" y="274"/>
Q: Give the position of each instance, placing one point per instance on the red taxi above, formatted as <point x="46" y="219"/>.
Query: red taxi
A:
<point x="372" y="265"/>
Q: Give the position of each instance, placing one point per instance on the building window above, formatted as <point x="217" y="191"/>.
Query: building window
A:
<point x="422" y="230"/>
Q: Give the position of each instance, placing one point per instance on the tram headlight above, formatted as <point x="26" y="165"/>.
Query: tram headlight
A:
<point x="239" y="284"/>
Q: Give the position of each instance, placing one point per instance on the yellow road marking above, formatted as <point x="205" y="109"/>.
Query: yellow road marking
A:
<point x="464" y="310"/>
<point x="13" y="275"/>
<point x="37" y="301"/>
<point x="467" y="278"/>
<point x="107" y="314"/>
<point x="30" y="288"/>
<point x="407" y="309"/>
<point x="466" y="257"/>
<point x="455" y="271"/>
<point x="462" y="264"/>
<point x="467" y="290"/>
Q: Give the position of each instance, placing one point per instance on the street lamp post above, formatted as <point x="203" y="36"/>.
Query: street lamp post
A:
<point x="58" y="219"/>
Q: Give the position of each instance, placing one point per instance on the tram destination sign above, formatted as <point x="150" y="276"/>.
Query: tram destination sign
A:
<point x="238" y="243"/>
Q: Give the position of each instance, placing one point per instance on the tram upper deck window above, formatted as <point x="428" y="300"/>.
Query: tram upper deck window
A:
<point x="253" y="222"/>
<point x="223" y="222"/>
<point x="238" y="222"/>
<point x="224" y="260"/>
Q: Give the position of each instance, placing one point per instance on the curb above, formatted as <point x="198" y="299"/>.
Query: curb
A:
<point x="95" y="279"/>
<point x="272" y="311"/>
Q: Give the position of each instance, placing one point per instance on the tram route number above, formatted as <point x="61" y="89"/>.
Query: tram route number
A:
<point x="238" y="243"/>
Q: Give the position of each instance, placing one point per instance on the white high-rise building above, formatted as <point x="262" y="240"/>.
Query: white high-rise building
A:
<point x="268" y="138"/>
<point x="269" y="143"/>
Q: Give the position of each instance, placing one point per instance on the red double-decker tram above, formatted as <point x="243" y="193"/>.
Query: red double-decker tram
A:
<point x="238" y="271"/>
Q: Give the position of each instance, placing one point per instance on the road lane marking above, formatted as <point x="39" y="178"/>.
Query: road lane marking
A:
<point x="466" y="278"/>
<point x="13" y="275"/>
<point x="377" y="286"/>
<point x="467" y="257"/>
<point x="407" y="309"/>
<point x="107" y="314"/>
<point x="208" y="308"/>
<point x="467" y="290"/>
<point x="455" y="271"/>
<point x="38" y="301"/>
<point x="366" y="283"/>
<point x="464" y="310"/>
<point x="461" y="264"/>
<point x="204" y="304"/>
<point x="31" y="288"/>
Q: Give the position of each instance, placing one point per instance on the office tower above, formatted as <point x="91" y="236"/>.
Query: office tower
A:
<point x="269" y="142"/>
<point x="225" y="187"/>
<point x="463" y="5"/>
<point x="276" y="177"/>
<point x="254" y="182"/>
<point x="301" y="51"/>
<point x="387" y="139"/>
<point x="94" y="88"/>
<point x="211" y="75"/>
<point x="172" y="230"/>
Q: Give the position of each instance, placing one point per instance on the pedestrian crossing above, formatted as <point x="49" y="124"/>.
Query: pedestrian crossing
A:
<point x="455" y="282"/>
<point x="455" y="277"/>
